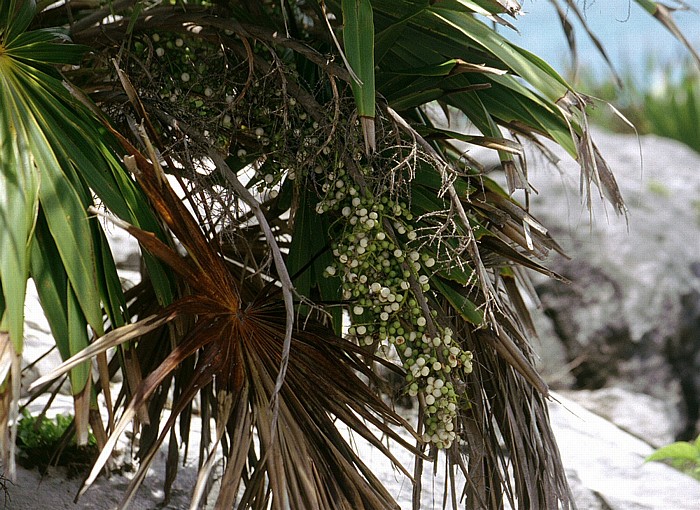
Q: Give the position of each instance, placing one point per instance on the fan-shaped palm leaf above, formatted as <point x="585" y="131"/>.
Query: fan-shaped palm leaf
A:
<point x="53" y="153"/>
<point x="237" y="339"/>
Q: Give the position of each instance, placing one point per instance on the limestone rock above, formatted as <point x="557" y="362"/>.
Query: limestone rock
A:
<point x="631" y="316"/>
<point x="652" y="420"/>
<point x="610" y="465"/>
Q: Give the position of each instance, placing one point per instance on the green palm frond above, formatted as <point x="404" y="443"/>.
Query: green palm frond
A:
<point x="358" y="40"/>
<point x="20" y="183"/>
<point x="53" y="155"/>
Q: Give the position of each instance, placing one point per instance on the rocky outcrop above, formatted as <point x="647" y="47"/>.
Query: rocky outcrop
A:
<point x="651" y="420"/>
<point x="631" y="316"/>
<point x="605" y="465"/>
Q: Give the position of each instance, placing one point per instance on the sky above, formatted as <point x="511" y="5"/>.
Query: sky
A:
<point x="630" y="33"/>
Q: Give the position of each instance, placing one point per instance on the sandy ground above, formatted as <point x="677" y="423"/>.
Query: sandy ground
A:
<point x="56" y="490"/>
<point x="605" y="462"/>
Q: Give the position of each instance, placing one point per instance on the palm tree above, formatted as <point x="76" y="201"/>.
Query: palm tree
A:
<point x="305" y="217"/>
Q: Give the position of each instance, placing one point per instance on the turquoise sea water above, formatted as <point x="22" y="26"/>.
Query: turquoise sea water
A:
<point x="631" y="36"/>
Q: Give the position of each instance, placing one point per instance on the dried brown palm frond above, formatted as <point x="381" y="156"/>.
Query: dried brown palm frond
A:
<point x="234" y="345"/>
<point x="504" y="442"/>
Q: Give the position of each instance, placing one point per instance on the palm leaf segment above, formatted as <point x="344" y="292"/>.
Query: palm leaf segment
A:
<point x="392" y="222"/>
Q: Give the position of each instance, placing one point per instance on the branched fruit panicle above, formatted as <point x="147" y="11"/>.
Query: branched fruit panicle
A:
<point x="375" y="270"/>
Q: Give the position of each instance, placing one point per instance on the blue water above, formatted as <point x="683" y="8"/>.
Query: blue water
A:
<point x="631" y="36"/>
